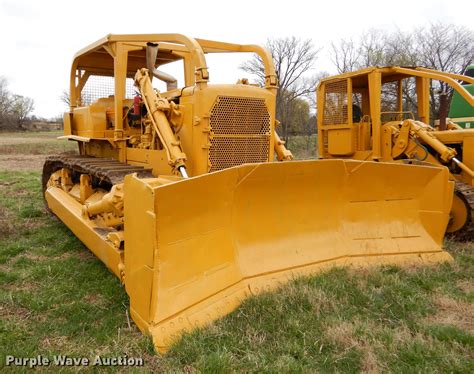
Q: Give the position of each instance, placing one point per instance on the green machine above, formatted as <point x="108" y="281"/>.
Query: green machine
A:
<point x="461" y="112"/>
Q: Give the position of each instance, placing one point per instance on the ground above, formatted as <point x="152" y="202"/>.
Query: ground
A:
<point x="27" y="150"/>
<point x="57" y="298"/>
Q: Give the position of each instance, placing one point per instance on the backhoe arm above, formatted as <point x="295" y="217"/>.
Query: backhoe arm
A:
<point x="158" y="107"/>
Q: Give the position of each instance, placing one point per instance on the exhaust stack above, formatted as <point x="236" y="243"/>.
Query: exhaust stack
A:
<point x="151" y="53"/>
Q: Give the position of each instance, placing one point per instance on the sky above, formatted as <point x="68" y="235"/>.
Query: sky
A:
<point x="40" y="37"/>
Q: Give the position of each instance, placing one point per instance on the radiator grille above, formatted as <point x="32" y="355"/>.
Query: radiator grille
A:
<point x="240" y="115"/>
<point x="240" y="132"/>
<point x="227" y="152"/>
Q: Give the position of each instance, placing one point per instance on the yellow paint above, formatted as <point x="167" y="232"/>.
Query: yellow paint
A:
<point x="393" y="135"/>
<point x="256" y="226"/>
<point x="69" y="210"/>
<point x="189" y="250"/>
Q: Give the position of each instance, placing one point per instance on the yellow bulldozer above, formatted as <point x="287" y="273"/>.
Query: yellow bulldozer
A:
<point x="192" y="200"/>
<point x="362" y="115"/>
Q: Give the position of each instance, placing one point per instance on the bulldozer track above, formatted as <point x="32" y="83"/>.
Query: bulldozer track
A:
<point x="466" y="193"/>
<point x="106" y="170"/>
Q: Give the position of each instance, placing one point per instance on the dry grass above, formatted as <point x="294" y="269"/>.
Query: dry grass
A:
<point x="56" y="297"/>
<point x="454" y="313"/>
<point x="27" y="151"/>
<point x="466" y="286"/>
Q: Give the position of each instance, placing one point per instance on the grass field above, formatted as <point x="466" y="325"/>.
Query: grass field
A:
<point x="27" y="150"/>
<point x="57" y="298"/>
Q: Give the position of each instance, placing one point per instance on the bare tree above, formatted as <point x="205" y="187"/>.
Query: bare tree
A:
<point x="439" y="46"/>
<point x="372" y="48"/>
<point x="345" y="56"/>
<point x="21" y="107"/>
<point x="14" y="109"/>
<point x="399" y="49"/>
<point x="5" y="98"/>
<point x="64" y="97"/>
<point x="445" y="47"/>
<point x="294" y="59"/>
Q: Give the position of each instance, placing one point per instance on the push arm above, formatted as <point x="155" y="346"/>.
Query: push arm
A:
<point x="157" y="107"/>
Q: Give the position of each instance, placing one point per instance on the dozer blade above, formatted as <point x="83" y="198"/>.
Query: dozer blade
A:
<point x="194" y="249"/>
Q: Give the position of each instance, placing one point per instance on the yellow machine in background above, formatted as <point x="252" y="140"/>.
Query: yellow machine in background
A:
<point x="179" y="195"/>
<point x="361" y="116"/>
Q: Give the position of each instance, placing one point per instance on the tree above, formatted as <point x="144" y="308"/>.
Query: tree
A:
<point x="298" y="111"/>
<point x="21" y="107"/>
<point x="308" y="129"/>
<point x="374" y="48"/>
<point x="439" y="46"/>
<point x="445" y="47"/>
<point x="5" y="98"/>
<point x="294" y="59"/>
<point x="64" y="97"/>
<point x="400" y="49"/>
<point x="14" y="109"/>
<point x="344" y="56"/>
